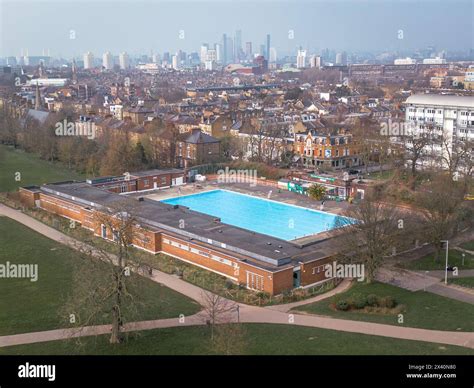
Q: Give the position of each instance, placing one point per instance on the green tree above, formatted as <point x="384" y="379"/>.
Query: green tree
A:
<point x="317" y="192"/>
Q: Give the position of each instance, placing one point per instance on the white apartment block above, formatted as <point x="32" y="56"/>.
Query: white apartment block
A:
<point x="107" y="61"/>
<point x="124" y="61"/>
<point x="211" y="55"/>
<point x="315" y="61"/>
<point x="301" y="59"/>
<point x="404" y="61"/>
<point x="450" y="117"/>
<point x="434" y="61"/>
<point x="88" y="60"/>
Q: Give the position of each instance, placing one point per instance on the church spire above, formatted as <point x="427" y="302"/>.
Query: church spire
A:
<point x="74" y="71"/>
<point x="37" y="97"/>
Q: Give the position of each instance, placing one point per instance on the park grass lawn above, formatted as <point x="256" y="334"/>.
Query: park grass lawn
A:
<point x="422" y="309"/>
<point x="427" y="263"/>
<point x="379" y="175"/>
<point x="463" y="282"/>
<point x="259" y="339"/>
<point x="27" y="306"/>
<point x="33" y="170"/>
<point x="468" y="245"/>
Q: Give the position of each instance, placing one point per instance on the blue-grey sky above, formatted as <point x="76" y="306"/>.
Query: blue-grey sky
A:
<point x="143" y="26"/>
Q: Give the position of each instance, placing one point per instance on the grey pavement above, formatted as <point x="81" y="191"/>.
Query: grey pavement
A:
<point x="248" y="314"/>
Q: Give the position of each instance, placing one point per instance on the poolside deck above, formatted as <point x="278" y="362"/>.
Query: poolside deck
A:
<point x="257" y="190"/>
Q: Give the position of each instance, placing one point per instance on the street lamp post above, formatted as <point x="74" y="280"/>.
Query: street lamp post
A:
<point x="446" y="266"/>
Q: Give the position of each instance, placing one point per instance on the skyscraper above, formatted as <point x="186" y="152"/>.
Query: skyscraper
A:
<point x="123" y="61"/>
<point x="341" y="58"/>
<point x="88" y="60"/>
<point x="107" y="61"/>
<point x="273" y="55"/>
<point x="301" y="59"/>
<point x="175" y="62"/>
<point x="224" y="49"/>
<point x="230" y="50"/>
<point x="315" y="61"/>
<point x="218" y="49"/>
<point x="211" y="55"/>
<point x="267" y="54"/>
<point x="248" y="50"/>
<point x="203" y="52"/>
<point x="237" y="45"/>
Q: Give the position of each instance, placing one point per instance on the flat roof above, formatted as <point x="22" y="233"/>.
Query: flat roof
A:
<point x="160" y="171"/>
<point x="263" y="250"/>
<point x="441" y="100"/>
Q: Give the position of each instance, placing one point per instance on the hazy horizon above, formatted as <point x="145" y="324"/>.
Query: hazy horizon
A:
<point x="145" y="26"/>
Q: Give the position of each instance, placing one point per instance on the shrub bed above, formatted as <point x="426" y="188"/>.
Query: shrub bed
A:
<point x="371" y="303"/>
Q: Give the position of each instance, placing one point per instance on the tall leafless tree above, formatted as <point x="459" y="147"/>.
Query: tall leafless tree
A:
<point x="216" y="310"/>
<point x="102" y="284"/>
<point x="375" y="230"/>
<point x="440" y="203"/>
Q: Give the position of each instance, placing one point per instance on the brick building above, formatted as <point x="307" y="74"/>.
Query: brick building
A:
<point x="320" y="149"/>
<point x="197" y="147"/>
<point x="141" y="180"/>
<point x="256" y="261"/>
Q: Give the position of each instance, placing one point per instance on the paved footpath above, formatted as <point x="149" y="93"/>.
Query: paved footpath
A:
<point x="429" y="281"/>
<point x="248" y="314"/>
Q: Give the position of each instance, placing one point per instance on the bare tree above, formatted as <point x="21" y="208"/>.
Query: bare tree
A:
<point x="216" y="310"/>
<point x="9" y="128"/>
<point x="419" y="148"/>
<point x="440" y="203"/>
<point x="256" y="141"/>
<point x="375" y="230"/>
<point x="365" y="134"/>
<point x="103" y="289"/>
<point x="267" y="142"/>
<point x="457" y="154"/>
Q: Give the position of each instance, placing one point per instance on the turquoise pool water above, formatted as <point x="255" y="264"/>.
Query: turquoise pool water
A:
<point x="276" y="219"/>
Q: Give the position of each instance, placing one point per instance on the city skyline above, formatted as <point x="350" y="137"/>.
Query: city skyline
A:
<point x="76" y="28"/>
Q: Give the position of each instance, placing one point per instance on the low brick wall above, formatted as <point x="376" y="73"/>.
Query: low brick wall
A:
<point x="260" y="181"/>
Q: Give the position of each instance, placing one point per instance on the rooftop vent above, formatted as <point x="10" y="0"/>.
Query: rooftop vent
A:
<point x="269" y="243"/>
<point x="141" y="199"/>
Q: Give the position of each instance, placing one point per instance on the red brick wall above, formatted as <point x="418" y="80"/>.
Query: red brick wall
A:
<point x="62" y="207"/>
<point x="229" y="266"/>
<point x="28" y="197"/>
<point x="152" y="241"/>
<point x="282" y="281"/>
<point x="226" y="266"/>
<point x="147" y="183"/>
<point x="309" y="271"/>
<point x="265" y="280"/>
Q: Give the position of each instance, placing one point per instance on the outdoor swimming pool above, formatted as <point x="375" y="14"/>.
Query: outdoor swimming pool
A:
<point x="273" y="218"/>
